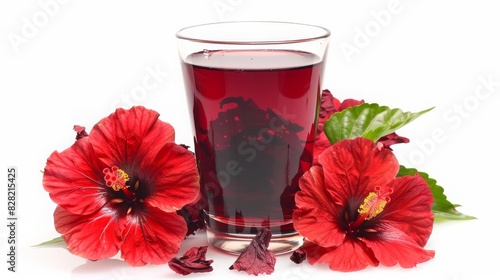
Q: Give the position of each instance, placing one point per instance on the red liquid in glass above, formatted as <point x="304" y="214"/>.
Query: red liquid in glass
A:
<point x="254" y="133"/>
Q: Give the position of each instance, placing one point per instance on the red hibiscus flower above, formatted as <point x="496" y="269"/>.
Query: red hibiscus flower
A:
<point x="119" y="187"/>
<point x="331" y="105"/>
<point x="353" y="212"/>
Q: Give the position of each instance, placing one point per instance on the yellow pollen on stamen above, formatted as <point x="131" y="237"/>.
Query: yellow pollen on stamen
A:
<point x="116" y="178"/>
<point x="374" y="204"/>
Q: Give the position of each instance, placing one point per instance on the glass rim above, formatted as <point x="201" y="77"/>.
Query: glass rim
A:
<point x="324" y="33"/>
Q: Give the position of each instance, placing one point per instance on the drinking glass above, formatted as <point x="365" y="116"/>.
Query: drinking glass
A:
<point x="253" y="91"/>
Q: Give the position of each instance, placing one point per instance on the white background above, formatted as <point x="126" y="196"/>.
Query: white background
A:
<point x="74" y="62"/>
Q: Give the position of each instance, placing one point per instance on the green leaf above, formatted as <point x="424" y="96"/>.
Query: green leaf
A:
<point x="451" y="214"/>
<point x="368" y="120"/>
<point x="50" y="242"/>
<point x="442" y="208"/>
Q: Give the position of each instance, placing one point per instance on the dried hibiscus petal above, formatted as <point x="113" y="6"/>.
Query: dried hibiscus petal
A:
<point x="192" y="261"/>
<point x="256" y="258"/>
<point x="194" y="216"/>
<point x="298" y="256"/>
<point x="80" y="131"/>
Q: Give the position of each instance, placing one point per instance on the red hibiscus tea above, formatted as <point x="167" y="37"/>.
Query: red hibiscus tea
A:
<point x="255" y="115"/>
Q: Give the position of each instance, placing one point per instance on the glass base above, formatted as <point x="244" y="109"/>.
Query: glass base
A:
<point x="234" y="243"/>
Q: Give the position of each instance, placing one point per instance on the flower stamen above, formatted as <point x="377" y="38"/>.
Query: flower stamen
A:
<point x="371" y="207"/>
<point x="116" y="178"/>
<point x="374" y="203"/>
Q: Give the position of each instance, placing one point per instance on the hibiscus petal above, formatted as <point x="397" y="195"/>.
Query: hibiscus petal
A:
<point x="73" y="179"/>
<point x="329" y="106"/>
<point x="194" y="215"/>
<point x="391" y="139"/>
<point x="80" y="132"/>
<point x="193" y="261"/>
<point x="348" y="103"/>
<point x="126" y="137"/>
<point x="410" y="208"/>
<point x="352" y="255"/>
<point x="353" y="167"/>
<point x="316" y="216"/>
<point x="298" y="255"/>
<point x="94" y="236"/>
<point x="256" y="258"/>
<point x="174" y="182"/>
<point x="394" y="246"/>
<point x="154" y="237"/>
<point x="321" y="144"/>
